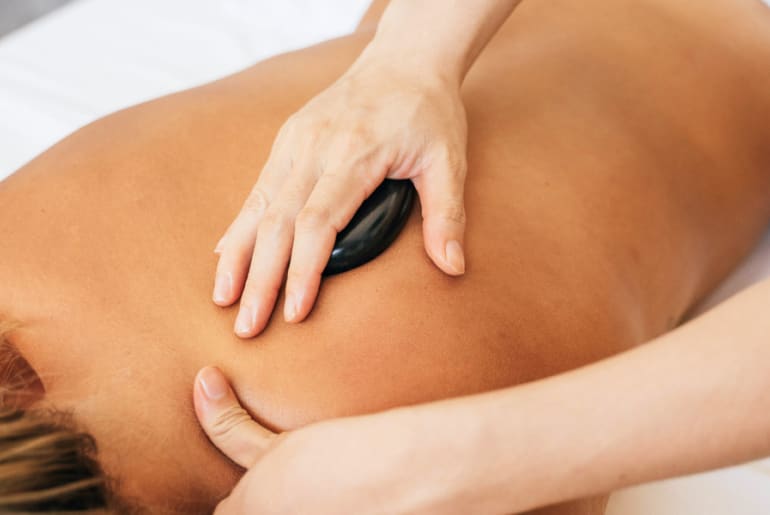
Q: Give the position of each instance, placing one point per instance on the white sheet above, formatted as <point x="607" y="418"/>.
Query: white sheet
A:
<point x="96" y="56"/>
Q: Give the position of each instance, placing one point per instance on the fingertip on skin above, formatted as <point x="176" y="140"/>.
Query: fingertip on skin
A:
<point x="225" y="421"/>
<point x="213" y="384"/>
<point x="246" y="323"/>
<point x="295" y="308"/>
<point x="454" y="258"/>
<point x="223" y="289"/>
<point x="252" y="319"/>
<point x="446" y="253"/>
<point x="290" y="308"/>
<point x="220" y="246"/>
<point x="443" y="232"/>
<point x="300" y="299"/>
<point x="211" y="391"/>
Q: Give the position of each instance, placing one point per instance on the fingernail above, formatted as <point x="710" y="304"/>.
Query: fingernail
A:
<point x="454" y="257"/>
<point x="247" y="319"/>
<point x="290" y="308"/>
<point x="213" y="383"/>
<point x="220" y="245"/>
<point x="223" y="288"/>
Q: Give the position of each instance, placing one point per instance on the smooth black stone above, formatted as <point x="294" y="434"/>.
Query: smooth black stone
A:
<point x="374" y="227"/>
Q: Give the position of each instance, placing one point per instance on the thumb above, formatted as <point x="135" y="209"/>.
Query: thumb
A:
<point x="225" y="422"/>
<point x="441" y="189"/>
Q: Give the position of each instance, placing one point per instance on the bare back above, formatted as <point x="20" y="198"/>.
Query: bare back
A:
<point x="618" y="168"/>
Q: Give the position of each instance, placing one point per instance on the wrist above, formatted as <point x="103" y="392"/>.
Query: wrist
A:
<point x="504" y="451"/>
<point x="440" y="37"/>
<point x="517" y="449"/>
<point x="423" y="67"/>
<point x="452" y="448"/>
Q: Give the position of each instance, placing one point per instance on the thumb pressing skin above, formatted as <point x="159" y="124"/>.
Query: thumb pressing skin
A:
<point x="229" y="427"/>
<point x="443" y="211"/>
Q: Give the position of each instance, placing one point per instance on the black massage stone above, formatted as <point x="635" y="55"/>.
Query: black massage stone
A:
<point x="374" y="226"/>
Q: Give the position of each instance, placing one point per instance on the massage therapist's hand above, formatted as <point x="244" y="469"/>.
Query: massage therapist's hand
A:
<point x="377" y="121"/>
<point x="395" y="113"/>
<point x="383" y="463"/>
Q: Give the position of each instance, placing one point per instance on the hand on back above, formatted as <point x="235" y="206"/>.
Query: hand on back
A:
<point x="376" y="122"/>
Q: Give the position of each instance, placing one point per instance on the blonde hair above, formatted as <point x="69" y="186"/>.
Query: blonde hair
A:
<point x="46" y="463"/>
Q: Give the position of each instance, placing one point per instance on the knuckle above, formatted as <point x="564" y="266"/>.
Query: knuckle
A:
<point x="358" y="137"/>
<point x="250" y="292"/>
<point x="227" y="422"/>
<point x="292" y="123"/>
<point x="274" y="220"/>
<point x="308" y="128"/>
<point x="257" y="201"/>
<point x="301" y="132"/>
<point x="454" y="211"/>
<point x="311" y="218"/>
<point x="259" y="290"/>
<point x="285" y="134"/>
<point x="295" y="275"/>
<point x="356" y="145"/>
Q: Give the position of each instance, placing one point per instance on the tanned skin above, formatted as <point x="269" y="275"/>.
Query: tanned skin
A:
<point x="617" y="171"/>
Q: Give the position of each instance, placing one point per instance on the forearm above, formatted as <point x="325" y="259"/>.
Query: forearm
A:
<point x="440" y="37"/>
<point x="694" y="399"/>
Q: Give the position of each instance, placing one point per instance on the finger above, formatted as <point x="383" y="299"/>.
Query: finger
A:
<point x="272" y="251"/>
<point x="236" y="246"/>
<point x="231" y="505"/>
<point x="220" y="245"/>
<point x="441" y="189"/>
<point x="245" y="496"/>
<point x="223" y="508"/>
<point x="331" y="205"/>
<point x="229" y="427"/>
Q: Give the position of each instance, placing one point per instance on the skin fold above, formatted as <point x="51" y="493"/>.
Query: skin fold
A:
<point x="617" y="170"/>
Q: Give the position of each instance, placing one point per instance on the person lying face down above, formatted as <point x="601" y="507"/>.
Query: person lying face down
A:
<point x="604" y="178"/>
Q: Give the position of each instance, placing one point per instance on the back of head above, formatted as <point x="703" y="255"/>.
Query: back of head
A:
<point x="46" y="463"/>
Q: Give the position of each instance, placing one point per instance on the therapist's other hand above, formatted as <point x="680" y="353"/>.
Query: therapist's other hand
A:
<point x="385" y="463"/>
<point x="377" y="121"/>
